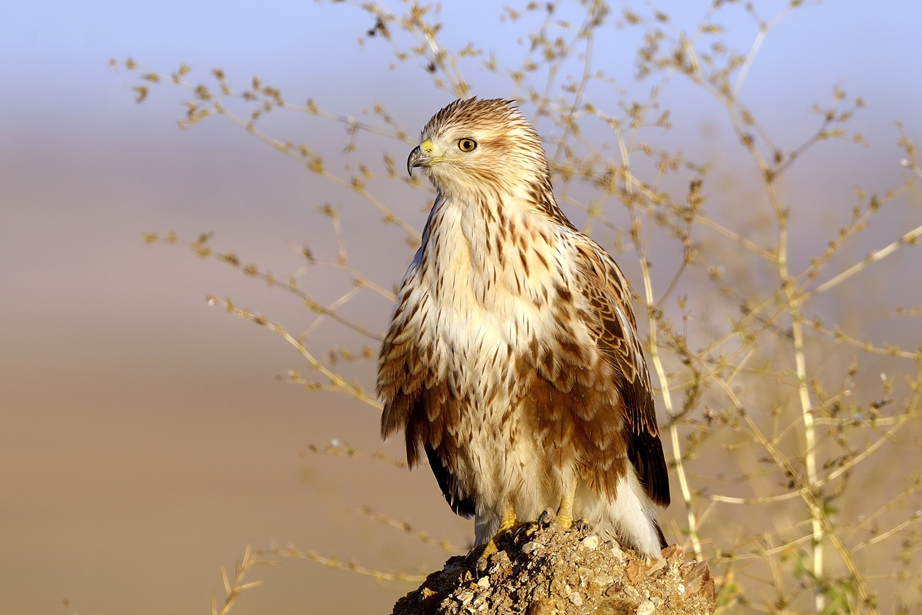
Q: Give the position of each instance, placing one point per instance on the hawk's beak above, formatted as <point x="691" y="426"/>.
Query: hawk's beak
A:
<point x="421" y="156"/>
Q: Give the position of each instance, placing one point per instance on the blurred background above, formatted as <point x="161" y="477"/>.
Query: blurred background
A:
<point x="145" y="439"/>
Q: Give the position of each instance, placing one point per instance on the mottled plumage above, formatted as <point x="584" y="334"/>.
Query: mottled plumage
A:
<point x="512" y="358"/>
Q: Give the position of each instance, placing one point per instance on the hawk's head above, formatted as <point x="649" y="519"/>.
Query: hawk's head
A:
<point x="476" y="145"/>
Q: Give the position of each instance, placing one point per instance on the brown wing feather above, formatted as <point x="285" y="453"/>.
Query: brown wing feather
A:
<point x="574" y="421"/>
<point x="419" y="404"/>
<point x="573" y="400"/>
<point x="604" y="287"/>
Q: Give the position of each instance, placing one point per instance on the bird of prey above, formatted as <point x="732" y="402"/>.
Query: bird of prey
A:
<point x="513" y="358"/>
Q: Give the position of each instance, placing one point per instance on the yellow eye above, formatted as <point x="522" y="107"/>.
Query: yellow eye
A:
<point x="467" y="145"/>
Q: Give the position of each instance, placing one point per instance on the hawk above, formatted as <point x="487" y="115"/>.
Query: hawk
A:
<point x="512" y="358"/>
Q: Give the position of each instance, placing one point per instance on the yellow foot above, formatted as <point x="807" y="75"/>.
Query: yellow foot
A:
<point x="489" y="549"/>
<point x="492" y="546"/>
<point x="507" y="523"/>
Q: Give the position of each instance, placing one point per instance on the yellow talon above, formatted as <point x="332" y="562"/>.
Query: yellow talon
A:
<point x="489" y="549"/>
<point x="507" y="522"/>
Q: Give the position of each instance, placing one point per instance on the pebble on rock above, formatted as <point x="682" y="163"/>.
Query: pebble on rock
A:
<point x="645" y="608"/>
<point x="591" y="542"/>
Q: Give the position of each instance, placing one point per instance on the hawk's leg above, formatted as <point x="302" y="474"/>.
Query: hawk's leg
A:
<point x="565" y="511"/>
<point x="507" y="522"/>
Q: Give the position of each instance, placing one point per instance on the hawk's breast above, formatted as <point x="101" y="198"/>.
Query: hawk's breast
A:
<point x="491" y="285"/>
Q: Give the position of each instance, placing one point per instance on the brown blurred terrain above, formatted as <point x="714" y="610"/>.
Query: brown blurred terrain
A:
<point x="145" y="440"/>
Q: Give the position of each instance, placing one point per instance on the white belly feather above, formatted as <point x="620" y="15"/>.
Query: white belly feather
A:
<point x="479" y="316"/>
<point x="479" y="312"/>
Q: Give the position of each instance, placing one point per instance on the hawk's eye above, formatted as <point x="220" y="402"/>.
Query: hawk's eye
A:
<point x="467" y="145"/>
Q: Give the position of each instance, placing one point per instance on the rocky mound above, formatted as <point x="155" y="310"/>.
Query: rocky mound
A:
<point x="541" y="569"/>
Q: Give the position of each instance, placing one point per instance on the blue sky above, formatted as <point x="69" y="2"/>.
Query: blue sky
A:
<point x="56" y="52"/>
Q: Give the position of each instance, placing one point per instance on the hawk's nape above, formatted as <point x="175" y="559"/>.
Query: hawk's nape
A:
<point x="512" y="358"/>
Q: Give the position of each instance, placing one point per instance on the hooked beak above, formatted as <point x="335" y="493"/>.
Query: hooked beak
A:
<point x="421" y="156"/>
